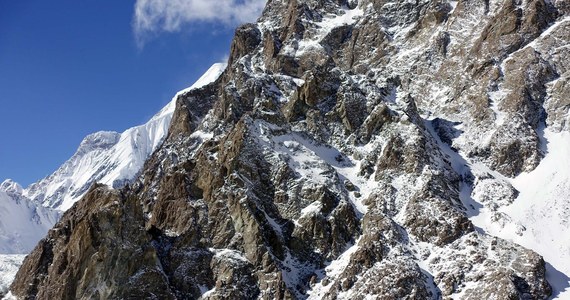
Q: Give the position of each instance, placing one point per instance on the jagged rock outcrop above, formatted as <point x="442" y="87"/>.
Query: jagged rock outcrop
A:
<point x="330" y="161"/>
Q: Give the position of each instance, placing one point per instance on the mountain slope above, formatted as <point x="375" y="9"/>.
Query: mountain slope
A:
<point x="107" y="157"/>
<point x="22" y="222"/>
<point x="9" y="265"/>
<point x="539" y="217"/>
<point x="351" y="149"/>
<point x="110" y="158"/>
<point x="104" y="157"/>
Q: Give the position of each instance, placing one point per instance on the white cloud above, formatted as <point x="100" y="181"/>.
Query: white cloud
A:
<point x="155" y="16"/>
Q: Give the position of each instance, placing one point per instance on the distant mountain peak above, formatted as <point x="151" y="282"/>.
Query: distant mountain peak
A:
<point x="11" y="187"/>
<point x="99" y="140"/>
<point x="109" y="157"/>
<point x="105" y="157"/>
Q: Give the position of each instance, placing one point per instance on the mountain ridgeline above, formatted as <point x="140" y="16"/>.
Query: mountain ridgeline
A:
<point x="350" y="149"/>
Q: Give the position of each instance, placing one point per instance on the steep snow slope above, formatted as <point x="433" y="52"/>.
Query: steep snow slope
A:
<point x="22" y="223"/>
<point x="536" y="214"/>
<point x="9" y="265"/>
<point x="110" y="158"/>
<point x="539" y="218"/>
<point x="543" y="208"/>
<point x="210" y="76"/>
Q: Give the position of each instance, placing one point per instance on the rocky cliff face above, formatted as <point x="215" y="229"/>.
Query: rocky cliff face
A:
<point x="344" y="153"/>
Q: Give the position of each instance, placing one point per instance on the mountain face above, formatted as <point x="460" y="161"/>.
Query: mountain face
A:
<point x="110" y="158"/>
<point x="350" y="150"/>
<point x="106" y="157"/>
<point x="22" y="223"/>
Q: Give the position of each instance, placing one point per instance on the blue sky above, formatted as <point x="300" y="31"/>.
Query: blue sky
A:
<point x="73" y="67"/>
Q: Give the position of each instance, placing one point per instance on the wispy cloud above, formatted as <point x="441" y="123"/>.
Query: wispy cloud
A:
<point x="155" y="16"/>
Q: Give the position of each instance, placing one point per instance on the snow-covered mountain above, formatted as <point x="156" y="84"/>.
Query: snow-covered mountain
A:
<point x="370" y="149"/>
<point x="9" y="264"/>
<point x="107" y="157"/>
<point x="110" y="158"/>
<point x="539" y="218"/>
<point x="22" y="222"/>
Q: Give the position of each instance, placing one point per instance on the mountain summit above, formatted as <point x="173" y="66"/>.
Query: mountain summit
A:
<point x="350" y="150"/>
<point x="109" y="158"/>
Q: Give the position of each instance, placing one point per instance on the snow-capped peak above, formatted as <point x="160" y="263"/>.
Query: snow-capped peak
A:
<point x="107" y="157"/>
<point x="11" y="187"/>
<point x="210" y="76"/>
<point x="99" y="140"/>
